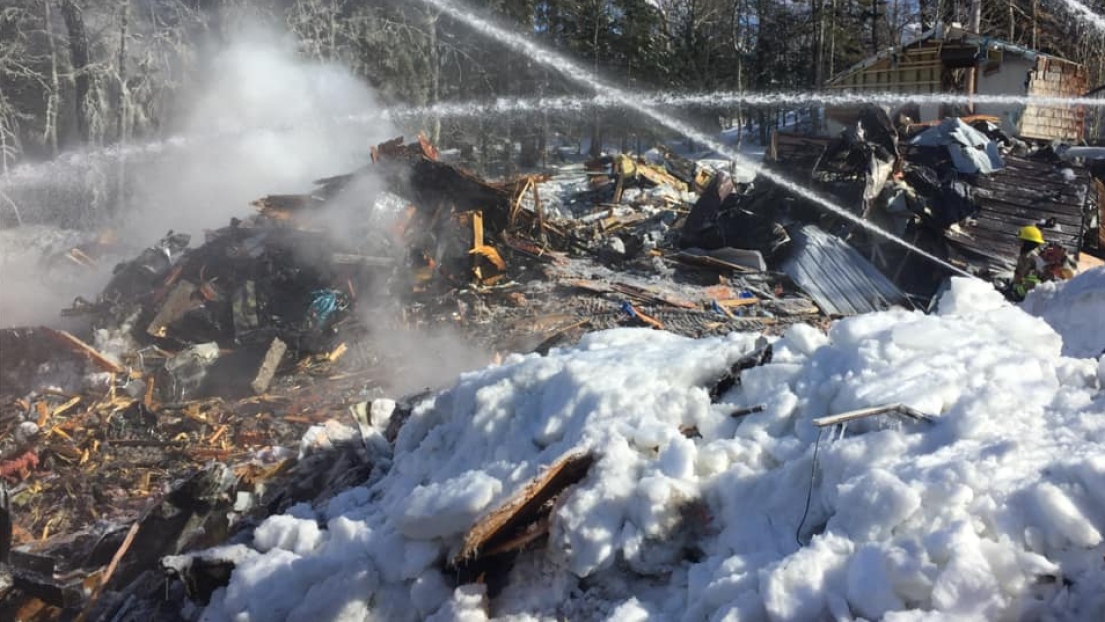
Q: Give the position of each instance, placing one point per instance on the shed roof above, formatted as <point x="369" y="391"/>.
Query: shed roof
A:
<point x="941" y="33"/>
<point x="1023" y="192"/>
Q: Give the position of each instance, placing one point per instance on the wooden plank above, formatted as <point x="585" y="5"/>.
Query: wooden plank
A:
<point x="82" y="348"/>
<point x="508" y="521"/>
<point x="178" y="303"/>
<point x="269" y="366"/>
<point x="998" y="227"/>
<point x="1029" y="214"/>
<point x="863" y="413"/>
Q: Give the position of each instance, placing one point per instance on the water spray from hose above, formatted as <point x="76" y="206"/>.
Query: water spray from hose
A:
<point x="581" y="75"/>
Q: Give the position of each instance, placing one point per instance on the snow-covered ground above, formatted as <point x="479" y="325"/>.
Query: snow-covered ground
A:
<point x="994" y="511"/>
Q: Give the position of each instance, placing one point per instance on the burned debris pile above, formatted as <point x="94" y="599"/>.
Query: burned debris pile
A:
<point x="959" y="189"/>
<point x="213" y="385"/>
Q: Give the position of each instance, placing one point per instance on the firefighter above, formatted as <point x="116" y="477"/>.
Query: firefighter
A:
<point x="1039" y="262"/>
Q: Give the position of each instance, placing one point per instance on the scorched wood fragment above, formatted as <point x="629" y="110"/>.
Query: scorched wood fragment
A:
<point x="522" y="520"/>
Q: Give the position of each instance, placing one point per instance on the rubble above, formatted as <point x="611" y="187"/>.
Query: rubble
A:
<point x="202" y="365"/>
<point x="211" y="385"/>
<point x="959" y="189"/>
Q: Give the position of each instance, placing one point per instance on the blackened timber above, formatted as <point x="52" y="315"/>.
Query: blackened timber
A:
<point x="1023" y="192"/>
<point x="760" y="356"/>
<point x="520" y="520"/>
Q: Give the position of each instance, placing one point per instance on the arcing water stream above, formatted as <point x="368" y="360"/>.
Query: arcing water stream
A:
<point x="33" y="174"/>
<point x="579" y="74"/>
<point x="719" y="99"/>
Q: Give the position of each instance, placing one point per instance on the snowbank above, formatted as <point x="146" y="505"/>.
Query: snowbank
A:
<point x="995" y="511"/>
<point x="1075" y="309"/>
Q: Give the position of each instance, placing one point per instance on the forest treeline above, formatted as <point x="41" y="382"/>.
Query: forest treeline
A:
<point x="98" y="72"/>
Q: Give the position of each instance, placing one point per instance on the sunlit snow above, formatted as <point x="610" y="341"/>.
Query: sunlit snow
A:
<point x="995" y="511"/>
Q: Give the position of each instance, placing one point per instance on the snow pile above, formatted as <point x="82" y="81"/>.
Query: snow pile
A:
<point x="994" y="511"/>
<point x="1075" y="309"/>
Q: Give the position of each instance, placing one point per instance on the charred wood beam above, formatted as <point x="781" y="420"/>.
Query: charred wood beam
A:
<point x="524" y="520"/>
<point x="760" y="356"/>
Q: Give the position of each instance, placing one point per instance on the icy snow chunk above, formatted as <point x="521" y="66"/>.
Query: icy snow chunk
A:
<point x="966" y="296"/>
<point x="418" y="556"/>
<point x="446" y="508"/>
<point x="1075" y="309"/>
<point x="282" y="531"/>
<point x="428" y="592"/>
<point x="677" y="459"/>
<point x="630" y="611"/>
<point x="1063" y="520"/>
<point x="870" y="507"/>
<point x="801" y="339"/>
<point x="966" y="585"/>
<point x="870" y="592"/>
<point x="802" y="586"/>
<point x="853" y="330"/>
<point x="468" y="604"/>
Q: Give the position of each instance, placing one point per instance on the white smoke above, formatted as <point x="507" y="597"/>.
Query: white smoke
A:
<point x="262" y="121"/>
<point x="280" y="123"/>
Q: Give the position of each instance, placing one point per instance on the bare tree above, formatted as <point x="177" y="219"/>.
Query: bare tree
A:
<point x="78" y="58"/>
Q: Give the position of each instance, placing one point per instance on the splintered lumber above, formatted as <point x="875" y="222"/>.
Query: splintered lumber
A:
<point x="179" y="302"/>
<point x="284" y="206"/>
<point x="639" y="294"/>
<point x="82" y="348"/>
<point x="648" y="320"/>
<point x="530" y="249"/>
<point x="269" y="365"/>
<point x="119" y="553"/>
<point x="738" y="302"/>
<point x="762" y="355"/>
<point x="514" y="523"/>
<point x="863" y="413"/>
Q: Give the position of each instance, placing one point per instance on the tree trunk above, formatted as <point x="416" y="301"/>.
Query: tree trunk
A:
<point x="596" y="122"/>
<point x="435" y="73"/>
<point x="50" y="123"/>
<point x="1035" y="23"/>
<point x="119" y="204"/>
<point x="121" y="70"/>
<point x="78" y="57"/>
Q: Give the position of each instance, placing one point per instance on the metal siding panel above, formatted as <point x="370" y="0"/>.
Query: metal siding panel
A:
<point x="839" y="279"/>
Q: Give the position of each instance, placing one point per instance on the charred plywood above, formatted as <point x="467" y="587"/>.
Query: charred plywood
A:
<point x="798" y="153"/>
<point x="1023" y="192"/>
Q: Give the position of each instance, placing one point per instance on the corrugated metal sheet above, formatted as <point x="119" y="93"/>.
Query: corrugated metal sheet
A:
<point x="837" y="277"/>
<point x="1023" y="192"/>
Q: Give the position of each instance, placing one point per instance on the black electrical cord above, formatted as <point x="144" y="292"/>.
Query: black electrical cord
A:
<point x="809" y="492"/>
